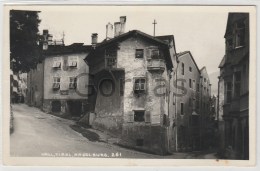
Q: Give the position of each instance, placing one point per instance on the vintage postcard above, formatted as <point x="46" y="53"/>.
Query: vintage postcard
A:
<point x="129" y="85"/>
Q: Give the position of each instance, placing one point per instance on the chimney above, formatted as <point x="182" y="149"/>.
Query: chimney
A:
<point x="109" y="31"/>
<point x="117" y="27"/>
<point x="94" y="39"/>
<point x="45" y="34"/>
<point x="122" y="22"/>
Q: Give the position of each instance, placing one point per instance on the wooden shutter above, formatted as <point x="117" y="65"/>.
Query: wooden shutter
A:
<point x="131" y="116"/>
<point x="147" y="116"/>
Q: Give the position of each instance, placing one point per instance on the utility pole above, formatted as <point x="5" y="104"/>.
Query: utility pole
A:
<point x="154" y="22"/>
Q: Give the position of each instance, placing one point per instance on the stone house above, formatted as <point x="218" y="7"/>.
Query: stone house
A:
<point x="59" y="84"/>
<point x="234" y="74"/>
<point x="193" y="96"/>
<point x="133" y="75"/>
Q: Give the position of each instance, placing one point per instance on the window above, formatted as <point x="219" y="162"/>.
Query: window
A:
<point x="194" y="84"/>
<point x="56" y="63"/>
<point x="73" y="61"/>
<point x="155" y="54"/>
<point x="139" y="85"/>
<point x="111" y="58"/>
<point x="139" y="53"/>
<point x="139" y="116"/>
<point x="73" y="83"/>
<point x="190" y="69"/>
<point x="182" y="68"/>
<point x="240" y="34"/>
<point x="228" y="92"/>
<point x="198" y="88"/>
<point x="190" y="84"/>
<point x="56" y="83"/>
<point x="182" y="109"/>
<point x="237" y="84"/>
<point x="205" y="80"/>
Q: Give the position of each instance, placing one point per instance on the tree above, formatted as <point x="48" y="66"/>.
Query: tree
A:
<point x="25" y="52"/>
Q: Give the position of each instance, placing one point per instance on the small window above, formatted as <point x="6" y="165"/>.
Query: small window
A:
<point x="73" y="61"/>
<point x="73" y="83"/>
<point x="182" y="68"/>
<point x="205" y="80"/>
<point x="194" y="84"/>
<point x="56" y="83"/>
<point x="190" y="83"/>
<point x="56" y="64"/>
<point x="139" y="116"/>
<point x="190" y="69"/>
<point x="182" y="109"/>
<point x="140" y="85"/>
<point x="198" y="88"/>
<point x="155" y="54"/>
<point x="139" y="53"/>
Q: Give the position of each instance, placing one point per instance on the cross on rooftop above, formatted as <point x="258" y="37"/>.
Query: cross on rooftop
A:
<point x="154" y="22"/>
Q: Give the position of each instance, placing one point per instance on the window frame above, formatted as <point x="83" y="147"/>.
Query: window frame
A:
<point x="73" y="84"/>
<point x="56" y="83"/>
<point x="140" y="84"/>
<point x="136" y="53"/>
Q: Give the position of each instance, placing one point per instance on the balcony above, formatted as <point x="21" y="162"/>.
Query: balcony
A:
<point x="156" y="65"/>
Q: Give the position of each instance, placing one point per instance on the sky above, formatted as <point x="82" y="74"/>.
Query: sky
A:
<point x="198" y="30"/>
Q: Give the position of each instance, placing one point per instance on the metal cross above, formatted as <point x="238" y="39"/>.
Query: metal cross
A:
<point x="154" y="22"/>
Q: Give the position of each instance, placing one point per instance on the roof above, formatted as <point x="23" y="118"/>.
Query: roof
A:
<point x="158" y="41"/>
<point x="188" y="52"/>
<point x="61" y="49"/>
<point x="233" y="16"/>
<point x="166" y="39"/>
<point x="129" y="34"/>
<point x="223" y="60"/>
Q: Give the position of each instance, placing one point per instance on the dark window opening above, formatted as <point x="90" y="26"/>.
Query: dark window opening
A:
<point x="190" y="84"/>
<point x="182" y="68"/>
<point x="56" y="106"/>
<point x="139" y="116"/>
<point x="190" y="69"/>
<point x="73" y="83"/>
<point x="155" y="54"/>
<point x="139" y="142"/>
<point x="182" y="109"/>
<point x="139" y="53"/>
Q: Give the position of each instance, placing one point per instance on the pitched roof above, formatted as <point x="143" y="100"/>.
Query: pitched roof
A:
<point x="188" y="52"/>
<point x="122" y="37"/>
<point x="129" y="34"/>
<point x="61" y="49"/>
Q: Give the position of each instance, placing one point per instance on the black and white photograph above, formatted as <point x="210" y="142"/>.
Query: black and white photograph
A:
<point x="130" y="82"/>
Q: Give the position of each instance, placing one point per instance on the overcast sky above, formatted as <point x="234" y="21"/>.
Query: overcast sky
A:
<point x="199" y="30"/>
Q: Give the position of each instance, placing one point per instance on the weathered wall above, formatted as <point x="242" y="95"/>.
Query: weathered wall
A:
<point x="109" y="102"/>
<point x="184" y="121"/>
<point x="154" y="100"/>
<point x="34" y="95"/>
<point x="81" y="71"/>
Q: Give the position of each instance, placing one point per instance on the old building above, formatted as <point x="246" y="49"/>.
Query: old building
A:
<point x="59" y="84"/>
<point x="132" y="73"/>
<point x="234" y="74"/>
<point x="193" y="105"/>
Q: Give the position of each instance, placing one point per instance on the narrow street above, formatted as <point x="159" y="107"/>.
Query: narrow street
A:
<point x="39" y="134"/>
